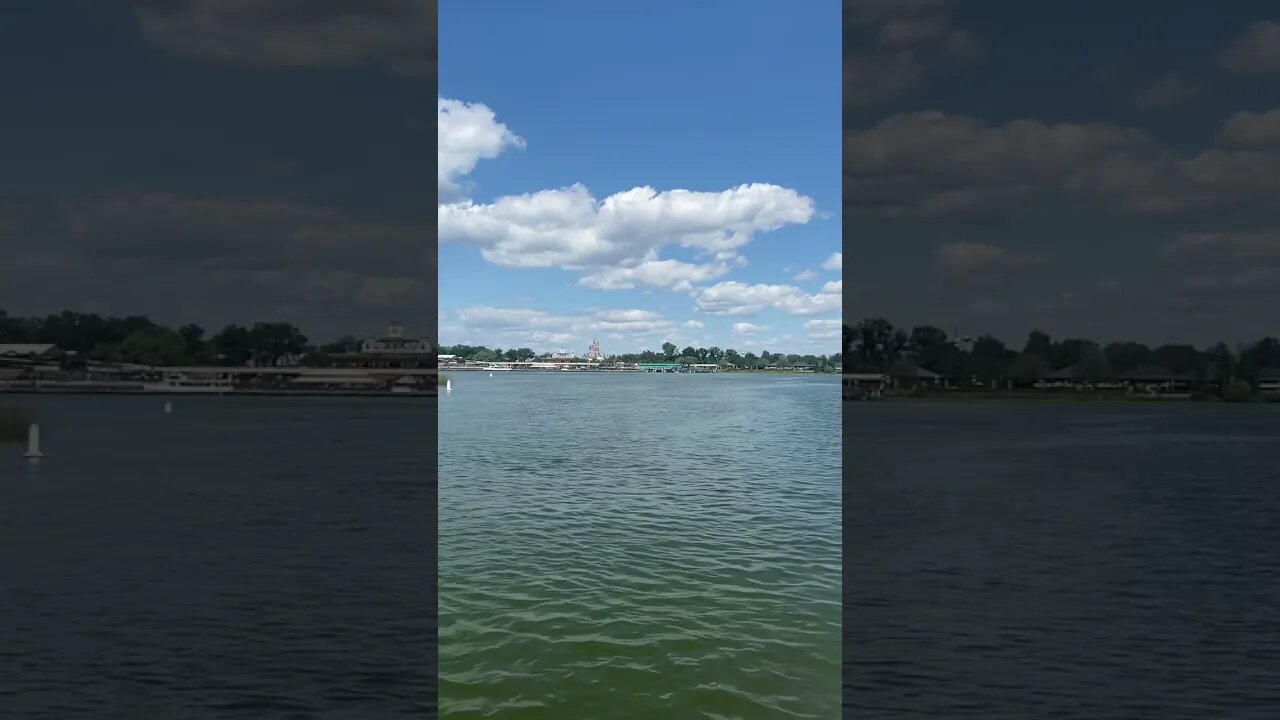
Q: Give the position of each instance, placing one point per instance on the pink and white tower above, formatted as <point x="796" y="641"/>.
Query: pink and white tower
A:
<point x="593" y="352"/>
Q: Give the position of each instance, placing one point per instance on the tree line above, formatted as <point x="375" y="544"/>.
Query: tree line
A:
<point x="669" y="352"/>
<point x="875" y="345"/>
<point x="137" y="339"/>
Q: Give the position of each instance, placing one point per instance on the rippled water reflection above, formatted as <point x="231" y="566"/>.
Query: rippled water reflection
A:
<point x="639" y="546"/>
<point x="1067" y="561"/>
<point x="240" y="558"/>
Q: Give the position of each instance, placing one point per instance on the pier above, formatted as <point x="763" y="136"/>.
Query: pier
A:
<point x="365" y="382"/>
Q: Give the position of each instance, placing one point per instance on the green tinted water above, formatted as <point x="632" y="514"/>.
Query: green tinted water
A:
<point x="639" y="546"/>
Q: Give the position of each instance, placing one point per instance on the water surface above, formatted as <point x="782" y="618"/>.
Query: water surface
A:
<point x="239" y="558"/>
<point x="639" y="546"/>
<point x="1010" y="560"/>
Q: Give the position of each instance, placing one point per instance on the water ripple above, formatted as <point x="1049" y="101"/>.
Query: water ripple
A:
<point x="1062" y="561"/>
<point x="639" y="547"/>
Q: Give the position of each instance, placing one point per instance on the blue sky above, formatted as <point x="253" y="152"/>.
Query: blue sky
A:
<point x="703" y="97"/>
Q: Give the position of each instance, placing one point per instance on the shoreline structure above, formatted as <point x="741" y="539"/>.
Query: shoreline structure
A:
<point x="390" y="366"/>
<point x="873" y="387"/>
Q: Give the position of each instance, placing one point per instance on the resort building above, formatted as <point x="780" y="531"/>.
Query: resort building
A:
<point x="1269" y="381"/>
<point x="1150" y="380"/>
<point x="29" y="351"/>
<point x="860" y="386"/>
<point x="29" y="360"/>
<point x="393" y="350"/>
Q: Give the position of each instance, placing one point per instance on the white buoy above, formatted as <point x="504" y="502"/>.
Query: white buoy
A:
<point x="33" y="443"/>
<point x="448" y="385"/>
<point x="490" y="374"/>
<point x="168" y="408"/>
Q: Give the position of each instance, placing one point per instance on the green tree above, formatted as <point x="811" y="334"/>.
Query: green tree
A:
<point x="271" y="341"/>
<point x="153" y="346"/>
<point x="989" y="359"/>
<point x="348" y="343"/>
<point x="1125" y="356"/>
<point x="196" y="350"/>
<point x="1039" y="344"/>
<point x="1179" y="358"/>
<point x="1028" y="369"/>
<point x="930" y="345"/>
<point x="1223" y="365"/>
<point x="904" y="371"/>
<point x="232" y="346"/>
<point x="1093" y="366"/>
<point x="669" y="351"/>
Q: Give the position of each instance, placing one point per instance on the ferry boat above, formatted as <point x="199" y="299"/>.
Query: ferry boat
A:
<point x="494" y="366"/>
<point x="182" y="383"/>
<point x="408" y="386"/>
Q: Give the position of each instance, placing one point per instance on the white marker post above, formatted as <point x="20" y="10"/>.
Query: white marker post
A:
<point x="168" y="408"/>
<point x="33" y="444"/>
<point x="448" y="385"/>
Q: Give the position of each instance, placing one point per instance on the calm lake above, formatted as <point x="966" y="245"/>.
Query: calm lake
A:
<point x="640" y="546"/>
<point x="1068" y="561"/>
<point x="239" y="558"/>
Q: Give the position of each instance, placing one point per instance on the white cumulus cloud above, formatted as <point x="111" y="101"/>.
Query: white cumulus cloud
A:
<point x="571" y="229"/>
<point x="674" y="274"/>
<point x="467" y="133"/>
<point x="823" y="329"/>
<point x="615" y="242"/>
<point x="835" y="262"/>
<point x="737" y="298"/>
<point x="506" y="326"/>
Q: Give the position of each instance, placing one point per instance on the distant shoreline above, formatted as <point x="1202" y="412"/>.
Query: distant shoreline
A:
<point x="602" y="371"/>
<point x="129" y="392"/>
<point x="1061" y="397"/>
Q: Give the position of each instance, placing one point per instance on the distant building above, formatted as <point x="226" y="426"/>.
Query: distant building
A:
<point x="29" y="350"/>
<point x="593" y="351"/>
<point x="18" y="358"/>
<point x="395" y="342"/>
<point x="1269" y="380"/>
<point x="393" y="350"/>
<point x="563" y="355"/>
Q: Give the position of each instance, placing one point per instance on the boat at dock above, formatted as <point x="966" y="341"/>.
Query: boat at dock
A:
<point x="181" y="383"/>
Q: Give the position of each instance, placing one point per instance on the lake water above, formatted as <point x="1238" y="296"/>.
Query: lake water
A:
<point x="640" y="546"/>
<point x="1066" y="561"/>
<point x="239" y="558"/>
